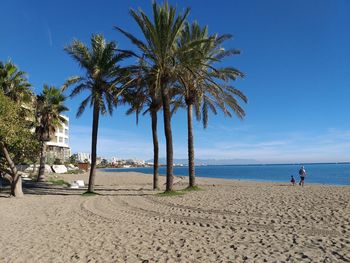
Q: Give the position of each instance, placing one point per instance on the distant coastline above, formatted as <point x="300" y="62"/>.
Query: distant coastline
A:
<point x="236" y="162"/>
<point x="257" y="164"/>
<point x="263" y="164"/>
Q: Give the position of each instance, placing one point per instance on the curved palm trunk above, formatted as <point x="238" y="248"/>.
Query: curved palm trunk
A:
<point x="16" y="180"/>
<point x="96" y="115"/>
<point x="191" y="173"/>
<point x="168" y="138"/>
<point x="41" y="173"/>
<point x="155" y="150"/>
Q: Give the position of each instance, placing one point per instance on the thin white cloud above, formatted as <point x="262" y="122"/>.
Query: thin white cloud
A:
<point x="50" y="36"/>
<point x="49" y="33"/>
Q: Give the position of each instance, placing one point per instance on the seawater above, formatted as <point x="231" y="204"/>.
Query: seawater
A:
<point x="331" y="174"/>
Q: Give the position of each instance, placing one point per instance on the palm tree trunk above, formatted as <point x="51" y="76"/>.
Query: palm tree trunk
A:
<point x="191" y="173"/>
<point x="96" y="115"/>
<point x="155" y="150"/>
<point x="41" y="173"/>
<point x="16" y="182"/>
<point x="168" y="138"/>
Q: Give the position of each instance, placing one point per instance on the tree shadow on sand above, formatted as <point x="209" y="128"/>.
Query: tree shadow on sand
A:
<point x="42" y="188"/>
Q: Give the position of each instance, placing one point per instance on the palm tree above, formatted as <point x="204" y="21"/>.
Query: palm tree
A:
<point x="159" y="50"/>
<point x="144" y="96"/>
<point x="103" y="80"/>
<point x="204" y="86"/>
<point x="14" y="84"/>
<point x="50" y="106"/>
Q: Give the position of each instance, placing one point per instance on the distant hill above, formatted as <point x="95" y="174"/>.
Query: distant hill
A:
<point x="210" y="161"/>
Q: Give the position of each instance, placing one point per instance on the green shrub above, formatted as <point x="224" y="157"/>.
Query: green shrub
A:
<point x="59" y="182"/>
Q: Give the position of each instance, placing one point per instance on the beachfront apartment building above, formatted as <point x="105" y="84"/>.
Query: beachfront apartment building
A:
<point x="58" y="146"/>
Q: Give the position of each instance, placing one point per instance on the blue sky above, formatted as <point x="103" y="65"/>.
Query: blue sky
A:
<point x="296" y="56"/>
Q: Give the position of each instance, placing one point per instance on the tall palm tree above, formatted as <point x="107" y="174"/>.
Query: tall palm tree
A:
<point x="159" y="50"/>
<point x="144" y="96"/>
<point x="50" y="106"/>
<point x="14" y="84"/>
<point x="103" y="79"/>
<point x="204" y="86"/>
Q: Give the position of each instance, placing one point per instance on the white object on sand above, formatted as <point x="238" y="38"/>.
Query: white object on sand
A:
<point x="71" y="167"/>
<point x="80" y="183"/>
<point x="74" y="186"/>
<point x="26" y="179"/>
<point x="59" y="169"/>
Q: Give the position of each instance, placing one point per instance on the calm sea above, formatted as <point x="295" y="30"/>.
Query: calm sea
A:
<point x="335" y="174"/>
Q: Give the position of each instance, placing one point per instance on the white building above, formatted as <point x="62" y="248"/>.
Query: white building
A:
<point x="82" y="157"/>
<point x="58" y="147"/>
<point x="139" y="162"/>
<point x="114" y="159"/>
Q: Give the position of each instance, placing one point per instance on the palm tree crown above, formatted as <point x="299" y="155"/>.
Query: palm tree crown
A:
<point x="103" y="73"/>
<point x="142" y="94"/>
<point x="201" y="83"/>
<point x="161" y="37"/>
<point x="13" y="83"/>
<point x="50" y="106"/>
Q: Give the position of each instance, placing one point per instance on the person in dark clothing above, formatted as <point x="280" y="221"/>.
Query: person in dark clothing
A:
<point x="292" y="180"/>
<point x="302" y="174"/>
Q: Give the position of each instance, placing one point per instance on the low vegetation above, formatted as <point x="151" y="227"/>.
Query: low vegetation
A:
<point x="181" y="192"/>
<point x="59" y="182"/>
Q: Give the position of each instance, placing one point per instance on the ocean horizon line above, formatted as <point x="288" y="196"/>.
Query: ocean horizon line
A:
<point x="261" y="164"/>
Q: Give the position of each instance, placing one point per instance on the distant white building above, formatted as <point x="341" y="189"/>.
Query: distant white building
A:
<point x="114" y="159"/>
<point x="58" y="147"/>
<point x="139" y="162"/>
<point x="135" y="162"/>
<point x="82" y="157"/>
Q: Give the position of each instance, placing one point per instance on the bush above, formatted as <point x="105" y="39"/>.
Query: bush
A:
<point x="59" y="182"/>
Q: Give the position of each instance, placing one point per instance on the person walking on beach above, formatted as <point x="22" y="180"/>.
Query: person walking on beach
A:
<point x="302" y="174"/>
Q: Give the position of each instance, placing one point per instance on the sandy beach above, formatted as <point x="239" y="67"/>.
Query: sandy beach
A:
<point x="229" y="221"/>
